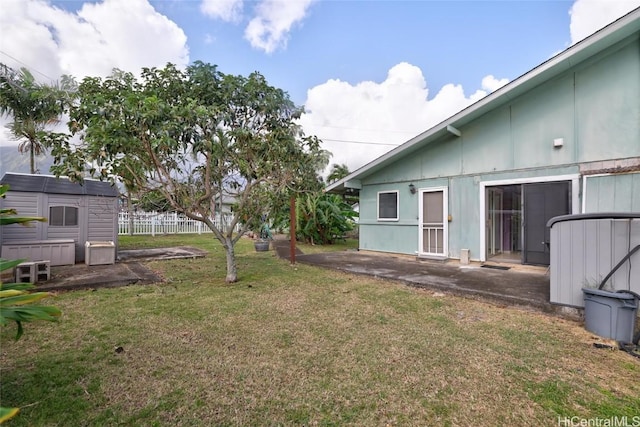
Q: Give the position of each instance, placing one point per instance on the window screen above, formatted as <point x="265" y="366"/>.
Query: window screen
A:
<point x="388" y="205"/>
<point x="63" y="216"/>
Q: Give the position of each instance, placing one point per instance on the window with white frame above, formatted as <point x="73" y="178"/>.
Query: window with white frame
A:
<point x="388" y="205"/>
<point x="63" y="216"/>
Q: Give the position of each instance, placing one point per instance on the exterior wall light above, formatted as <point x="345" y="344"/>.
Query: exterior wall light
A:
<point x="412" y="188"/>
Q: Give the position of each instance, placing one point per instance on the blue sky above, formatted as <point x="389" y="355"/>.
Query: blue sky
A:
<point x="372" y="74"/>
<point x="354" y="41"/>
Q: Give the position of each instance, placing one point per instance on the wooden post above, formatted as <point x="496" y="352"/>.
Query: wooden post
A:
<point x="292" y="229"/>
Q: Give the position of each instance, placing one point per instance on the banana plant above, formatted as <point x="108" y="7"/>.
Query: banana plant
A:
<point x="17" y="299"/>
<point x="322" y="217"/>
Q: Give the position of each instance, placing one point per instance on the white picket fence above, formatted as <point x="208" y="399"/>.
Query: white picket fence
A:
<point x="164" y="223"/>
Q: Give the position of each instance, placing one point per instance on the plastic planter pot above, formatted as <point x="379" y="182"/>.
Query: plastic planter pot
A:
<point x="261" y="245"/>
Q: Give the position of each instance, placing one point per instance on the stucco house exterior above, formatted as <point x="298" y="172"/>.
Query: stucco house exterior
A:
<point x="75" y="214"/>
<point x="563" y="138"/>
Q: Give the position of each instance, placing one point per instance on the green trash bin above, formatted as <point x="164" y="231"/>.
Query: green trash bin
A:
<point x="610" y="314"/>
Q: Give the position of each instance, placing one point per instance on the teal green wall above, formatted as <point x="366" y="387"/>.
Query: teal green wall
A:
<point x="594" y="107"/>
<point x="464" y="202"/>
<point x="613" y="193"/>
<point x="486" y="143"/>
<point x="608" y="105"/>
<point x="540" y="117"/>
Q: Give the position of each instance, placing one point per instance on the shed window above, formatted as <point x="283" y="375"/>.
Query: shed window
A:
<point x="388" y="206"/>
<point x="63" y="216"/>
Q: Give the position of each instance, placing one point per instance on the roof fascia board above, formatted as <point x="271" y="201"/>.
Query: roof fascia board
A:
<point x="353" y="183"/>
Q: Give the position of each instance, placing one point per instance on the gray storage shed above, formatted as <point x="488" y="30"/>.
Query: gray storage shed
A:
<point x="76" y="214"/>
<point x="587" y="248"/>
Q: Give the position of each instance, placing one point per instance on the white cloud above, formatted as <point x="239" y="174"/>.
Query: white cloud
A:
<point x="588" y="16"/>
<point x="227" y="10"/>
<point x="352" y="119"/>
<point x="491" y="84"/>
<point x="124" y="34"/>
<point x="269" y="29"/>
<point x="271" y="21"/>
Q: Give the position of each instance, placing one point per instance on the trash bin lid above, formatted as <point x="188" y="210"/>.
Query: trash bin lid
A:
<point x="609" y="294"/>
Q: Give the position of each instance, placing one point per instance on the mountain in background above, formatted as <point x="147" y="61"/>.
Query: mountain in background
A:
<point x="11" y="160"/>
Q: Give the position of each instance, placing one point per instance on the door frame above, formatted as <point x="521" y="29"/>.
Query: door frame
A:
<point x="500" y="226"/>
<point x="445" y="222"/>
<point x="575" y="199"/>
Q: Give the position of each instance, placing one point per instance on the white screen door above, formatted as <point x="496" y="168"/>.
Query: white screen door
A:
<point x="433" y="222"/>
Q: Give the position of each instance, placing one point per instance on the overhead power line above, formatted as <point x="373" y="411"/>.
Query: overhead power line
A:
<point x="26" y="65"/>
<point x="358" y="142"/>
<point x="363" y="129"/>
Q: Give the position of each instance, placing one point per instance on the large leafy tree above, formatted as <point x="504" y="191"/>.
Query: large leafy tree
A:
<point x="195" y="136"/>
<point x="33" y="107"/>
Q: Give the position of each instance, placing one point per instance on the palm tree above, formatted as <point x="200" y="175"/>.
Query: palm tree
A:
<point x="32" y="105"/>
<point x="337" y="172"/>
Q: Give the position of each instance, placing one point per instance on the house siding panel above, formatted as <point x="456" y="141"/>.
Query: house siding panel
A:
<point x="540" y="117"/>
<point x="443" y="158"/>
<point x="397" y="238"/>
<point x="463" y="202"/>
<point x="613" y="193"/>
<point x="608" y="105"/>
<point x="486" y="143"/>
<point x="401" y="170"/>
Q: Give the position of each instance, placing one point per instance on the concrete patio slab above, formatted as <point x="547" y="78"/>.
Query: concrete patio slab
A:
<point x="128" y="270"/>
<point x="512" y="284"/>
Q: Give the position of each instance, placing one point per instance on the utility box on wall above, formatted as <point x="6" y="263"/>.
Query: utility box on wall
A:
<point x="100" y="253"/>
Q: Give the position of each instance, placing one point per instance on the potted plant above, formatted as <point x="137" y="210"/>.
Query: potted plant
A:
<point x="262" y="243"/>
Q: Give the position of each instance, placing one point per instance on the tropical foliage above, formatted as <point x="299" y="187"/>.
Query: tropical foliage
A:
<point x="33" y="107"/>
<point x="17" y="299"/>
<point x="337" y="172"/>
<point x="321" y="218"/>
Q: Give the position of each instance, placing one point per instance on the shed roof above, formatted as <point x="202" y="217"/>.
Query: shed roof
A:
<point x="606" y="37"/>
<point x="53" y="185"/>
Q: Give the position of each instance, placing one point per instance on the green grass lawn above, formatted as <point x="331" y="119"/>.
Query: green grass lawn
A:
<point x="298" y="345"/>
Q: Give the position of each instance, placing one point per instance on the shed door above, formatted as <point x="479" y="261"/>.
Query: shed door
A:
<point x="433" y="222"/>
<point x="542" y="201"/>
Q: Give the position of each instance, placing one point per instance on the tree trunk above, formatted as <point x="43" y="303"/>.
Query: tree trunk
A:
<point x="32" y="160"/>
<point x="130" y="212"/>
<point x="232" y="268"/>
